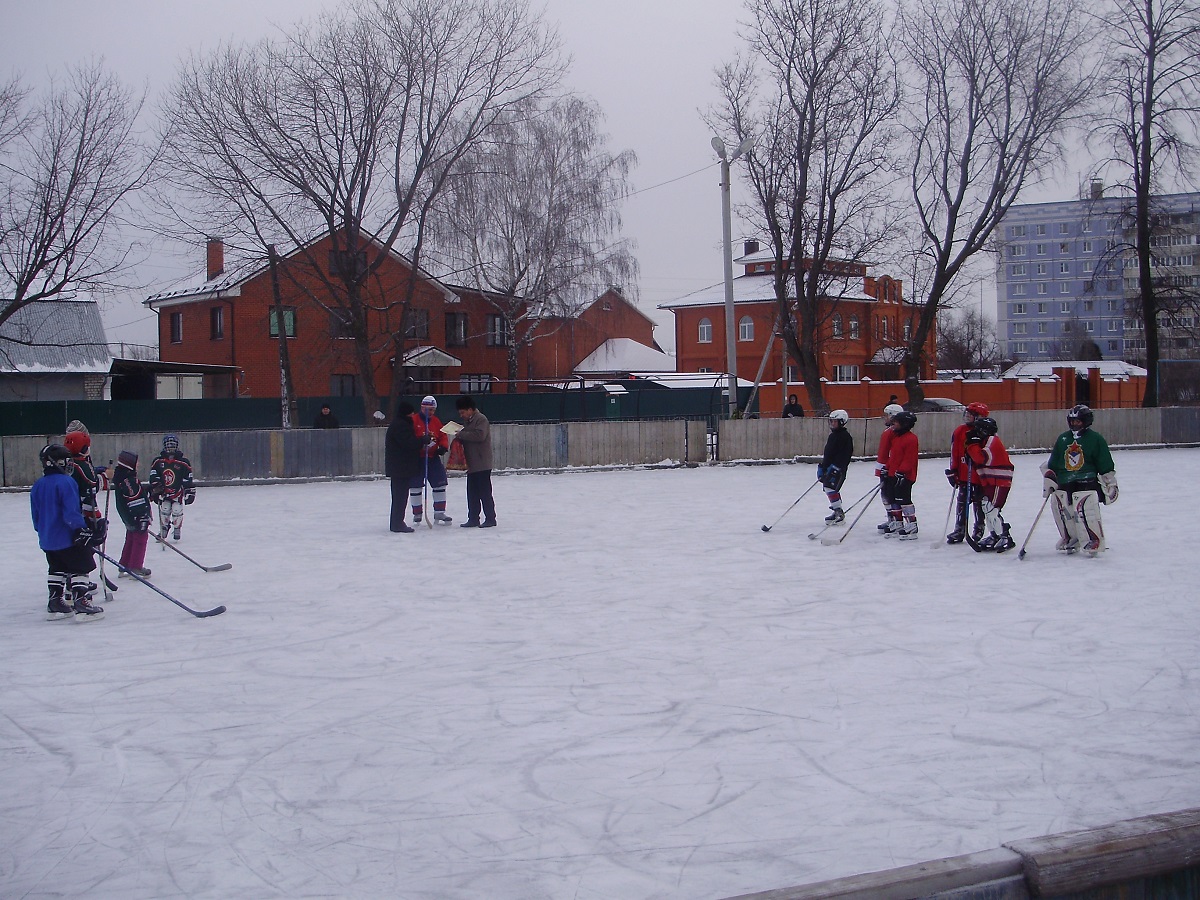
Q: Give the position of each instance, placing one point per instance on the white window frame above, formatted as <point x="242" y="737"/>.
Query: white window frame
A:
<point x="704" y="331"/>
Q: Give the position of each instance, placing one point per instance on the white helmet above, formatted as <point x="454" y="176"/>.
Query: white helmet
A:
<point x="839" y="415"/>
<point x="889" y="411"/>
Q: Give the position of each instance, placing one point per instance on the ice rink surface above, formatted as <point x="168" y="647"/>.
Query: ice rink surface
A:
<point x="627" y="690"/>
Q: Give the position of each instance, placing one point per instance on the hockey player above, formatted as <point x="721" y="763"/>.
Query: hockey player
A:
<point x="65" y="537"/>
<point x="434" y="445"/>
<point x="171" y="487"/>
<point x="989" y="462"/>
<point x="831" y="471"/>
<point x="1078" y="477"/>
<point x="901" y="468"/>
<point x="133" y="505"/>
<point x="964" y="478"/>
<point x="88" y="478"/>
<point x="881" y="472"/>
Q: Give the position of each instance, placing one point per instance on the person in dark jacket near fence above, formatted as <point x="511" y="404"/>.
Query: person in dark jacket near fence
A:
<point x="401" y="463"/>
<point x="325" y="418"/>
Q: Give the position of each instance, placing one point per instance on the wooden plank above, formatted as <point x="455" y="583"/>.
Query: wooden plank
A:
<point x="1081" y="860"/>
<point x="1000" y="869"/>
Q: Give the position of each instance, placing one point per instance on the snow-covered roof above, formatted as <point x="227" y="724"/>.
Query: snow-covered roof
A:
<point x="1109" y="368"/>
<point x="757" y="289"/>
<point x="888" y="356"/>
<point x="430" y="356"/>
<point x="624" y="355"/>
<point x="690" y="379"/>
<point x="55" y="336"/>
<point x="229" y="284"/>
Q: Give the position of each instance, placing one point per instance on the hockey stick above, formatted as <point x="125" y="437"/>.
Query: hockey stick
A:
<point x="1021" y="554"/>
<point x="198" y="613"/>
<point x="221" y="568"/>
<point x="869" y="494"/>
<point x="949" y="512"/>
<point x="831" y="542"/>
<point x="108" y="586"/>
<point x="793" y="506"/>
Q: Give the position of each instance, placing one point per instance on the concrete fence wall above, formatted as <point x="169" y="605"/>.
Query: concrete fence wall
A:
<point x="1034" y="429"/>
<point x="1149" y="857"/>
<point x="306" y="453"/>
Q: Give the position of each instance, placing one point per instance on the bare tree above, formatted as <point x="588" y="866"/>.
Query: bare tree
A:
<point x="348" y="129"/>
<point x="822" y="135"/>
<point x="1152" y="93"/>
<point x="70" y="163"/>
<point x="996" y="86"/>
<point x="533" y="216"/>
<point x="966" y="342"/>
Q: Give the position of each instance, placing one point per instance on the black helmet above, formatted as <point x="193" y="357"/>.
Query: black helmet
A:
<point x="1083" y="413"/>
<point x="904" y="421"/>
<point x="985" y="426"/>
<point x="55" y="458"/>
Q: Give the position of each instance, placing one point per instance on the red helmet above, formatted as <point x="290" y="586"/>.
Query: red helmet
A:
<point x="77" y="442"/>
<point x="978" y="409"/>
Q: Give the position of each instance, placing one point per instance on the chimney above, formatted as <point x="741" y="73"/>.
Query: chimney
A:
<point x="215" y="257"/>
<point x="750" y="247"/>
<point x="1097" y="189"/>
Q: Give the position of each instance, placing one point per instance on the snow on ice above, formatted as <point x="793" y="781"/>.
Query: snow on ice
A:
<point x="627" y="690"/>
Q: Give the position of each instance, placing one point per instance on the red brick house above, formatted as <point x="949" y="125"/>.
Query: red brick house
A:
<point x="455" y="340"/>
<point x="863" y="330"/>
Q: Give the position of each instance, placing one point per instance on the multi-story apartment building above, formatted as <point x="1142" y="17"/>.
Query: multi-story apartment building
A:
<point x="1066" y="279"/>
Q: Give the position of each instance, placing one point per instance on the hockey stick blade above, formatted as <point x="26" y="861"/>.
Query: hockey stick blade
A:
<point x="221" y="568"/>
<point x="198" y="613"/>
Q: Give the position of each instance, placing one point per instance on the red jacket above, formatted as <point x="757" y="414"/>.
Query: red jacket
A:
<point x="902" y="455"/>
<point x="885" y="441"/>
<point x="958" y="456"/>
<point x="990" y="460"/>
<point x="435" y="428"/>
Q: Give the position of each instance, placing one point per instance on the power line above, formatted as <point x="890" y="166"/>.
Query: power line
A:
<point x="673" y="180"/>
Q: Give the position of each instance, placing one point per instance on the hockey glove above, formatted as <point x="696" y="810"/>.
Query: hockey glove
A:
<point x="1108" y="484"/>
<point x="831" y="477"/>
<point x="190" y="497"/>
<point x="100" y="470"/>
<point x="952" y="477"/>
<point x="974" y="438"/>
<point x="442" y="451"/>
<point x="1049" y="483"/>
<point x="141" y="524"/>
<point x="93" y="537"/>
<point x="881" y="471"/>
<point x="821" y="474"/>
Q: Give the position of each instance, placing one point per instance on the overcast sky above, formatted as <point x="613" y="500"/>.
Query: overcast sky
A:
<point x="648" y="63"/>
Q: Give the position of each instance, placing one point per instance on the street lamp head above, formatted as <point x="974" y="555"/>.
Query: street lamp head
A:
<point x="743" y="148"/>
<point x="719" y="146"/>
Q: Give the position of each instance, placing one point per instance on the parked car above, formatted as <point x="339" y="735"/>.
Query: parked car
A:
<point x="941" y="404"/>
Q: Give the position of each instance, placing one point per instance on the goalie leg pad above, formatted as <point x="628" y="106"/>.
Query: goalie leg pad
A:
<point x="1089" y="530"/>
<point x="1064" y="518"/>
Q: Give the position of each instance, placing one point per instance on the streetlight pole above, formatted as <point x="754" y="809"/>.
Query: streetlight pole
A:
<point x="727" y="234"/>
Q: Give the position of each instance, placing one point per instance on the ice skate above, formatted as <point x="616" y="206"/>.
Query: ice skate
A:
<point x="957" y="536"/>
<point x="58" y="608"/>
<point x="837" y="517"/>
<point x="1004" y="542"/>
<point x="175" y="534"/>
<point x="440" y="518"/>
<point x="1067" y="545"/>
<point x="86" y="611"/>
<point x="908" y="531"/>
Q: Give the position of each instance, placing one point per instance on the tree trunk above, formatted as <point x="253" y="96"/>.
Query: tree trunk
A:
<point x="287" y="394"/>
